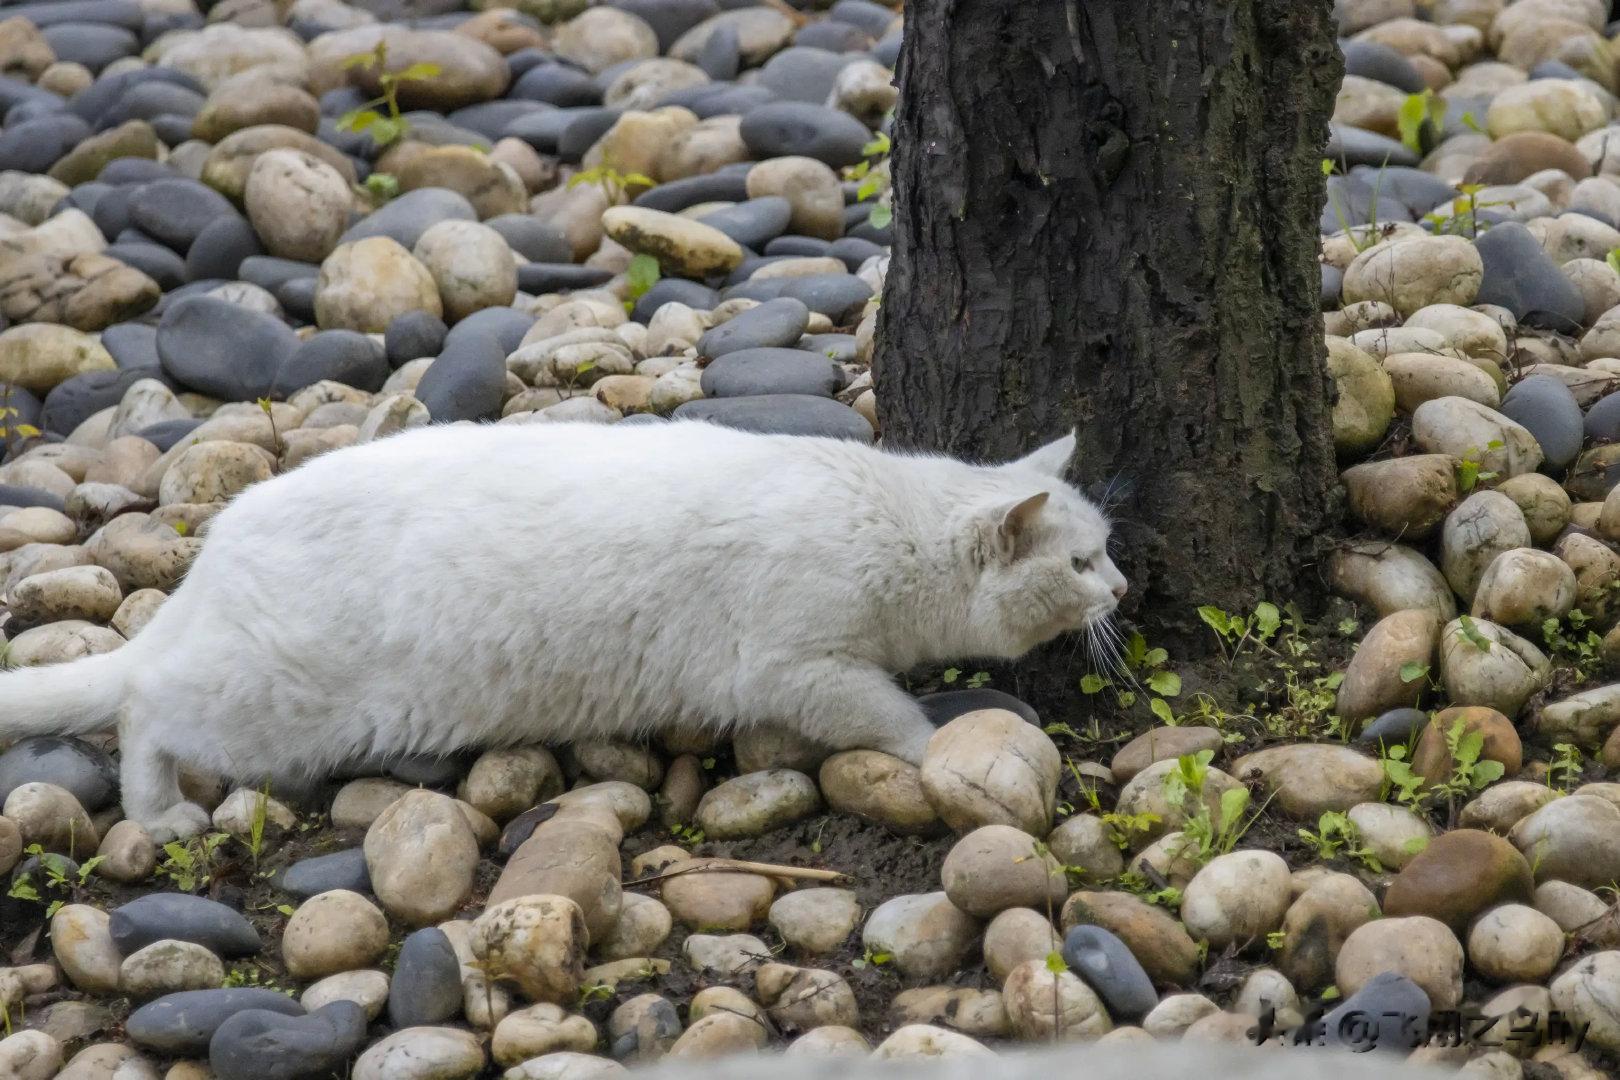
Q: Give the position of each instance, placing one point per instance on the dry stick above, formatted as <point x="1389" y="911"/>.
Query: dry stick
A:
<point x="741" y="866"/>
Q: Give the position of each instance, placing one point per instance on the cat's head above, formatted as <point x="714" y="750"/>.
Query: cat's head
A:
<point x="1041" y="556"/>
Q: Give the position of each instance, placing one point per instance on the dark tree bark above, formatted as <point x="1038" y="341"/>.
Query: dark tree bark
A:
<point x="1106" y="216"/>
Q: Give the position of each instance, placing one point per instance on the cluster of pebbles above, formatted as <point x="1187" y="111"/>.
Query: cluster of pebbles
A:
<point x="206" y="279"/>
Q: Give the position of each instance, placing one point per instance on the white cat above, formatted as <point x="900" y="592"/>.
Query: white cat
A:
<point x="481" y="586"/>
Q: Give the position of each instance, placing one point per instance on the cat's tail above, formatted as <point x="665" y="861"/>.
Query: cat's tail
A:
<point x="64" y="699"/>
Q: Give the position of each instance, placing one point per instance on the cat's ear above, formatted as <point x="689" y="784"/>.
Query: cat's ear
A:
<point x="1052" y="459"/>
<point x="1008" y="525"/>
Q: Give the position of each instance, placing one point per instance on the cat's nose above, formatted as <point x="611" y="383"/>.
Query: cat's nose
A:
<point x="1120" y="590"/>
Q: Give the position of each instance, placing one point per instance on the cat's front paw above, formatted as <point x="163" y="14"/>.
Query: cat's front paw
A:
<point x="181" y="821"/>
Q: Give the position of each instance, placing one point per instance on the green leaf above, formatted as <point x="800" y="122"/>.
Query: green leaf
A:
<point x="642" y="275"/>
<point x="422" y="70"/>
<point x="364" y="59"/>
<point x="1155" y="658"/>
<point x="639" y="179"/>
<point x="1165" y="683"/>
<point x="1055" y="963"/>
<point x="1233" y="802"/>
<point x="385" y="131"/>
<point x="1092" y="684"/>
<point x="1413" y="112"/>
<point x="868" y="188"/>
<point x="1488" y="772"/>
<point x="1613" y="259"/>
<point x="880" y="216"/>
<point x="1471" y="632"/>
<point x="1267" y="619"/>
<point x="1162" y="710"/>
<point x="358" y="119"/>
<point x="1216" y="619"/>
<point x="1412" y="671"/>
<point x="951" y="675"/>
<point x="879" y="145"/>
<point x="1328" y="167"/>
<point x="1471" y="124"/>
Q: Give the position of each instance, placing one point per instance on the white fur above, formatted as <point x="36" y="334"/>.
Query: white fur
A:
<point x="478" y="586"/>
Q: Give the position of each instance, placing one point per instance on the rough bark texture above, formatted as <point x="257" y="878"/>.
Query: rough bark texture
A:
<point x="1105" y="216"/>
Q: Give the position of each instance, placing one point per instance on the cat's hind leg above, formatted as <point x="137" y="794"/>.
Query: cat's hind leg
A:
<point x="149" y="776"/>
<point x="856" y="708"/>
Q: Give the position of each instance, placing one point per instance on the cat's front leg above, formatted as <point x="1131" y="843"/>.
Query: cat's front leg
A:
<point x="860" y="708"/>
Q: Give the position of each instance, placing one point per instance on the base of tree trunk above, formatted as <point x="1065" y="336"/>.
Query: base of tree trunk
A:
<point x="1106" y="217"/>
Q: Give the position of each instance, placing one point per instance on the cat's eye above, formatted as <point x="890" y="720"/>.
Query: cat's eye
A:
<point x="1080" y="565"/>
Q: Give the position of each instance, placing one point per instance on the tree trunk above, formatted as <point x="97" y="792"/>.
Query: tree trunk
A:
<point x="1106" y="216"/>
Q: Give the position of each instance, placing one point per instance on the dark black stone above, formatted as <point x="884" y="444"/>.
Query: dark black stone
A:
<point x="875" y="19"/>
<point x="1390" y="1014"/>
<point x="947" y="705"/>
<point x="1546" y="406"/>
<point x="95" y="45"/>
<point x="182" y="917"/>
<point x="85" y="771"/>
<point x="35" y="145"/>
<point x="263" y="1044"/>
<point x="535" y="240"/>
<point x="691" y="293"/>
<point x="74" y="400"/>
<point x="557" y="84"/>
<point x="157" y="262"/>
<point x="1397" y="727"/>
<point x="786" y="128"/>
<point x="804" y="74"/>
<point x="753" y="223"/>
<point x="773" y="324"/>
<point x="525" y="60"/>
<point x="522" y="827"/>
<point x="1105" y="964"/>
<point x="1414" y="190"/>
<point x="427" y="770"/>
<point x="150" y="100"/>
<point x="409" y="216"/>
<point x="840" y="297"/>
<point x="583" y="130"/>
<point x="1372" y="60"/>
<point x="176" y="211"/>
<point x="223" y="349"/>
<point x="677" y="195"/>
<point x="833" y="36"/>
<point x="426" y="986"/>
<point x="297" y="298"/>
<point x="721" y="55"/>
<point x="182" y="1024"/>
<point x="271" y="272"/>
<point x="413" y="335"/>
<point x="836" y="347"/>
<point x="27" y="406"/>
<point x="1603" y="419"/>
<point x="1520" y="276"/>
<point x="888" y="51"/>
<point x="506" y="325"/>
<point x="781" y="414"/>
<point x="753" y="372"/>
<point x="221" y="246"/>
<point x="853" y="251"/>
<point x="136" y="170"/>
<point x="490" y="118"/>
<point x="111" y="211"/>
<point x="466" y="382"/>
<point x="798" y="246"/>
<point x="669" y="18"/>
<point x="166" y="434"/>
<point x="17" y="495"/>
<point x="543" y="277"/>
<point x="323" y="873"/>
<point x="339" y="355"/>
<point x="723" y="99"/>
<point x="1354" y="146"/>
<point x="125" y="13"/>
<point x="1332" y="286"/>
